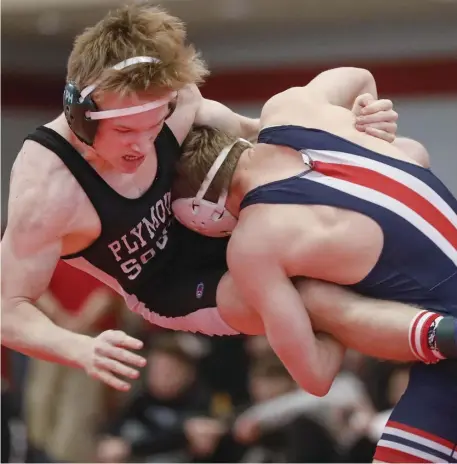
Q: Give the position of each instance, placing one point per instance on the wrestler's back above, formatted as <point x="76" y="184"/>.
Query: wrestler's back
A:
<point x="370" y="208"/>
<point x="358" y="237"/>
<point x="345" y="235"/>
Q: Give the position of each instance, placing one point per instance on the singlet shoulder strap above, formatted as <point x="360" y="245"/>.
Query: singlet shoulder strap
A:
<point x="90" y="181"/>
<point x="165" y="141"/>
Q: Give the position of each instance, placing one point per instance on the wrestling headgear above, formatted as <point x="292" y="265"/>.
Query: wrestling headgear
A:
<point x="82" y="113"/>
<point x="203" y="216"/>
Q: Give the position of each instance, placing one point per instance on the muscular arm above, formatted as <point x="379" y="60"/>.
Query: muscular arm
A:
<point x="30" y="250"/>
<point x="312" y="360"/>
<point x="192" y="108"/>
<point x="341" y="86"/>
<point x="214" y="114"/>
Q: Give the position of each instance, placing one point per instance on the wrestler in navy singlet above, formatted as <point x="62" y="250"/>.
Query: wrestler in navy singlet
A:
<point x="418" y="263"/>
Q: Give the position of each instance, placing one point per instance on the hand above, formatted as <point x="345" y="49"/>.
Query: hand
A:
<point x="107" y="356"/>
<point x="113" y="449"/>
<point x="203" y="434"/>
<point x="246" y="431"/>
<point x="375" y="117"/>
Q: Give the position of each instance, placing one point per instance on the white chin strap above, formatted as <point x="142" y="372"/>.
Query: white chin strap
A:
<point x="203" y="216"/>
<point x="133" y="109"/>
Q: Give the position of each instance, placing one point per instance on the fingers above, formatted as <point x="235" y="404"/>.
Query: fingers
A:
<point x="112" y="358"/>
<point x="121" y="355"/>
<point x="110" y="379"/>
<point x="389" y="116"/>
<point x="380" y="134"/>
<point x="390" y="127"/>
<point x="116" y="367"/>
<point x="119" y="338"/>
<point x="377" y="106"/>
<point x="365" y="100"/>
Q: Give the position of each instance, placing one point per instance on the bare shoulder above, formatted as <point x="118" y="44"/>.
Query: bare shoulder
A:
<point x="296" y="105"/>
<point x="42" y="193"/>
<point x="280" y="99"/>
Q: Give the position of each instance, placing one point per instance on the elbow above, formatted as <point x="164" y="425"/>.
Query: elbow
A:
<point x="368" y="82"/>
<point x="362" y="74"/>
<point x="351" y="74"/>
<point x="9" y="329"/>
<point x="364" y="80"/>
<point x="11" y="322"/>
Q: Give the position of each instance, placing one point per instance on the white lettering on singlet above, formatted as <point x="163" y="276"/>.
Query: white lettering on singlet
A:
<point x="143" y="236"/>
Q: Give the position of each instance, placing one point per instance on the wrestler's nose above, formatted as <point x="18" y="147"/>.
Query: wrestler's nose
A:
<point x="143" y="144"/>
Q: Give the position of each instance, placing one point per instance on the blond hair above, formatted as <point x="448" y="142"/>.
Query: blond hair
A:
<point x="135" y="30"/>
<point x="200" y="149"/>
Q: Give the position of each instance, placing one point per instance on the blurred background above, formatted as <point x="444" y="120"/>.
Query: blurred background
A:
<point x="212" y="399"/>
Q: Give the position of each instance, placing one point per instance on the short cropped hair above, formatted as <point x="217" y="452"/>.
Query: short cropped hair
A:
<point x="200" y="149"/>
<point x="135" y="30"/>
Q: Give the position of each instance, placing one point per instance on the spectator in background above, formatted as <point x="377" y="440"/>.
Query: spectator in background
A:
<point x="395" y="377"/>
<point x="231" y="381"/>
<point x="169" y="418"/>
<point x="286" y="424"/>
<point x="63" y="406"/>
<point x="258" y="347"/>
<point x="297" y="439"/>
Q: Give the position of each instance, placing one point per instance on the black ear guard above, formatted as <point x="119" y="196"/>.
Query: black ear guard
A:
<point x="76" y="111"/>
<point x="172" y="106"/>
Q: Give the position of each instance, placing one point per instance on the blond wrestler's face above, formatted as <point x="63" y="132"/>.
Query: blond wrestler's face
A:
<point x="125" y="142"/>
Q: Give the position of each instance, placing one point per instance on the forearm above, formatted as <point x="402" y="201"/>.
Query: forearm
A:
<point x="312" y="360"/>
<point x="373" y="327"/>
<point x="359" y="81"/>
<point x="330" y="353"/>
<point x="26" y="329"/>
<point x="249" y="128"/>
<point x="219" y="116"/>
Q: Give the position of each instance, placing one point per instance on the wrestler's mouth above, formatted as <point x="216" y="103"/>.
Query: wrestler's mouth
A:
<point x="133" y="157"/>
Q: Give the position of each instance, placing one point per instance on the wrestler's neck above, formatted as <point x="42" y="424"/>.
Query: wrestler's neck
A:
<point x="60" y="125"/>
<point x="240" y="185"/>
